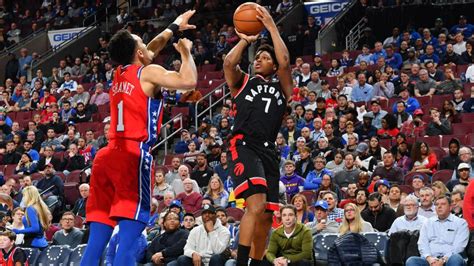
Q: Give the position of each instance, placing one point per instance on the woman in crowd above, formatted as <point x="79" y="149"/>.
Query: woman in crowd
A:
<point x="352" y="141"/>
<point x="168" y="246"/>
<point x="335" y="69"/>
<point x="216" y="191"/>
<point x="299" y="112"/>
<point x="224" y="128"/>
<point x="449" y="112"/>
<point x="35" y="220"/>
<point x="375" y="149"/>
<point x="160" y="185"/>
<point x="439" y="188"/>
<point x="282" y="147"/>
<point x="327" y="184"/>
<point x="424" y="160"/>
<point x="389" y="128"/>
<point x="337" y="164"/>
<point x="302" y="213"/>
<point x="290" y="243"/>
<point x="353" y="222"/>
<point x="25" y="166"/>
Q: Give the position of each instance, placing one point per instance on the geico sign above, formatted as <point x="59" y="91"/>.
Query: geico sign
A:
<point x="327" y="8"/>
<point x="61" y="37"/>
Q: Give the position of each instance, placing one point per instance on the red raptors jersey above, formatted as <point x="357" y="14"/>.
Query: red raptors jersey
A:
<point x="133" y="115"/>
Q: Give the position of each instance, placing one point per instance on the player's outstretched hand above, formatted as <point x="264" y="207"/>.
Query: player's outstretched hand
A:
<point x="265" y="17"/>
<point x="183" y="45"/>
<point x="249" y="39"/>
<point x="183" y="20"/>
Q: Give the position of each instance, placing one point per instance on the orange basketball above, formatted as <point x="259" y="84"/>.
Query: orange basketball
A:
<point x="245" y="19"/>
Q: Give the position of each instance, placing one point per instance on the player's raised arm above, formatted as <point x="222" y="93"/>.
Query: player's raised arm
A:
<point x="181" y="23"/>
<point x="155" y="76"/>
<point x="232" y="72"/>
<point x="281" y="52"/>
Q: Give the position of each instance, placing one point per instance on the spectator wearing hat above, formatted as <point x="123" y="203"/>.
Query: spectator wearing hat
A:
<point x="322" y="148"/>
<point x="465" y="154"/>
<point x="442" y="237"/>
<point x="462" y="26"/>
<point x="410" y="220"/>
<point x="349" y="174"/>
<point x="379" y="215"/>
<point x="411" y="104"/>
<point x="68" y="83"/>
<point x="182" y="145"/>
<point x="207" y="241"/>
<point x="464" y="171"/>
<point x="291" y="180"/>
<point x="366" y="130"/>
<point x="362" y="92"/>
<point x="322" y="225"/>
<point x="314" y="178"/>
<point x="377" y="113"/>
<point x="290" y="244"/>
<point x="51" y="187"/>
<point x="318" y="65"/>
<point x="389" y="171"/>
<point x="415" y="127"/>
<point x="364" y="161"/>
<point x="383" y="187"/>
<point x="26" y="166"/>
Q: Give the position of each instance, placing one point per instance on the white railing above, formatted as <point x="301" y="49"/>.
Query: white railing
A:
<point x="212" y="101"/>
<point x="177" y="119"/>
<point x="355" y="34"/>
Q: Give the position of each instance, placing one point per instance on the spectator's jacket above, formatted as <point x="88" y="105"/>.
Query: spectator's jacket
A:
<point x="468" y="106"/>
<point x="207" y="244"/>
<point x="352" y="249"/>
<point x="292" y="183"/>
<point x="298" y="247"/>
<point x="54" y="186"/>
<point x="170" y="244"/>
<point x="313" y="179"/>
<point x="73" y="163"/>
<point x="382" y="221"/>
<point x="435" y="129"/>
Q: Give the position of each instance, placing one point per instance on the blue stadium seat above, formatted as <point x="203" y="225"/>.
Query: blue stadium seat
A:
<point x="76" y="255"/>
<point x="32" y="255"/>
<point x="321" y="245"/>
<point x="54" y="256"/>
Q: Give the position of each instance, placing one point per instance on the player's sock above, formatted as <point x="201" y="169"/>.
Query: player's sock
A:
<point x="243" y="255"/>
<point x="129" y="233"/>
<point x="255" y="262"/>
<point x="98" y="238"/>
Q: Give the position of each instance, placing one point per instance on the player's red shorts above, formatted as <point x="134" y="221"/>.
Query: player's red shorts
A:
<point x="120" y="184"/>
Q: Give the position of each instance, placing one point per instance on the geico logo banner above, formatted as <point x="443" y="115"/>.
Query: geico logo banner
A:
<point x="56" y="37"/>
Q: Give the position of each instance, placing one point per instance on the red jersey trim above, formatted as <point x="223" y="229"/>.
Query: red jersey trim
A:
<point x="244" y="186"/>
<point x="246" y="80"/>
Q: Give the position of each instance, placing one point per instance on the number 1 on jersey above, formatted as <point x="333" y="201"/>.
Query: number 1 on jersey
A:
<point x="267" y="105"/>
<point x="120" y="126"/>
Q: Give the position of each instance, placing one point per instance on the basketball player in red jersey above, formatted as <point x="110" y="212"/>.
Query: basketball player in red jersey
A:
<point x="121" y="173"/>
<point x="260" y="102"/>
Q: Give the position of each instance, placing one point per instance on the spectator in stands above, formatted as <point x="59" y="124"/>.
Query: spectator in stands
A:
<point x="17" y="223"/>
<point x="291" y="180"/>
<point x="429" y="56"/>
<point x="335" y="70"/>
<point x="383" y="89"/>
<point x="457" y="204"/>
<point x="366" y="130"/>
<point x="23" y="103"/>
<point x="299" y="252"/>
<point x="173" y="172"/>
<point x="427" y="208"/>
<point x="311" y="31"/>
<point x="80" y="205"/>
<point x="11" y="156"/>
<point x="458" y="99"/>
<point x="425" y="86"/>
<point x="81" y="114"/>
<point x="99" y="97"/>
<point x="465" y="154"/>
<point x="377" y="112"/>
<point x="206" y="242"/>
<point x="434" y="73"/>
<point x="190" y="199"/>
<point x="50" y="141"/>
<point x="51" y="187"/>
<point x="442" y="238"/>
<point x="69" y="234"/>
<point x="468" y="55"/>
<point x="81" y="96"/>
<point x="216" y="191"/>
<point x="364" y="56"/>
<point x="449" y="84"/>
<point x="11" y="255"/>
<point x="28" y="148"/>
<point x="362" y="92"/>
<point x="79" y="69"/>
<point x="36" y="219"/>
<point x="72" y="159"/>
<point x="303" y="214"/>
<point x="451" y="58"/>
<point x="313" y="179"/>
<point x="364" y="161"/>
<point x="24" y="61"/>
<point x="389" y="171"/>
<point x="68" y="82"/>
<point x="349" y="174"/>
<point x="167" y="247"/>
<point x="353" y="221"/>
<point x="350" y="196"/>
<point x="202" y="173"/>
<point x="410" y="221"/>
<point x="401" y="115"/>
<point x="337" y="164"/>
<point x="334" y="213"/>
<point x="438" y="125"/>
<point x="424" y="158"/>
<point x="25" y="166"/>
<point x="460" y="46"/>
<point x="321" y="225"/>
<point x="305" y="75"/>
<point x="378" y="214"/>
<point x="452" y="160"/>
<point x="47" y="158"/>
<point x="177" y="183"/>
<point x="392" y="58"/>
<point x="464" y="176"/>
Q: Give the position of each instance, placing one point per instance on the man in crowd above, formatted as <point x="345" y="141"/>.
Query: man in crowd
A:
<point x="322" y="225"/>
<point x="442" y="237"/>
<point x="389" y="171"/>
<point x="378" y="214"/>
<point x="68" y="235"/>
<point x="427" y="208"/>
<point x="334" y="213"/>
<point x="410" y="221"/>
<point x="190" y="199"/>
<point x="291" y="180"/>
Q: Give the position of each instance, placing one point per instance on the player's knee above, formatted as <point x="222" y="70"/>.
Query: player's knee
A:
<point x="256" y="208"/>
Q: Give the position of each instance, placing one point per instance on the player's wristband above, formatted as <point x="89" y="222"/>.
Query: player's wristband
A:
<point x="248" y="43"/>
<point x="173" y="27"/>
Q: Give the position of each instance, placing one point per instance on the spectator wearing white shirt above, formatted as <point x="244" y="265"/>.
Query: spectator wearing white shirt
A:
<point x="470" y="74"/>
<point x="460" y="45"/>
<point x="68" y="83"/>
<point x="411" y="221"/>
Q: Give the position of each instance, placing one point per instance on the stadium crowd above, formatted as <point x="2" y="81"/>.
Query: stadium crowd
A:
<point x="376" y="140"/>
